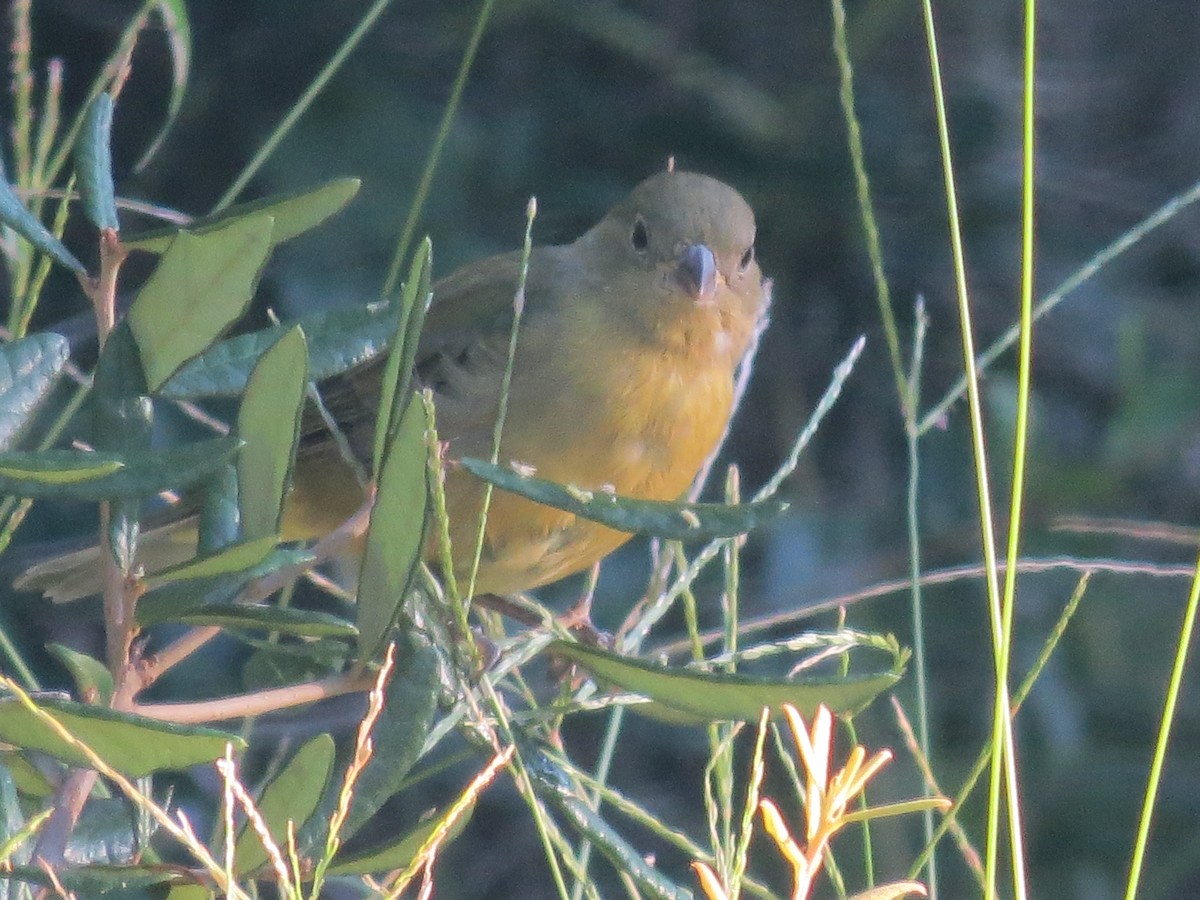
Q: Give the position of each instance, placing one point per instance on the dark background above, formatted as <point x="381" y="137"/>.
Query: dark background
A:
<point x="576" y="101"/>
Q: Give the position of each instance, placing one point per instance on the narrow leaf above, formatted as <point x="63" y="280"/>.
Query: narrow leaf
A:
<point x="57" y="467"/>
<point x="202" y="285"/>
<point x="133" y="476"/>
<point x="720" y="696"/>
<point x="410" y="703"/>
<point x="292" y="795"/>
<point x="98" y="881"/>
<point x="178" y="29"/>
<point x="93" y="164"/>
<point x="294" y="214"/>
<point x="233" y="558"/>
<point x="163" y="603"/>
<point x="551" y="784"/>
<point x="396" y="535"/>
<point x="396" y="854"/>
<point x="397" y="374"/>
<point x="285" y="620"/>
<point x="92" y="679"/>
<point x="673" y="521"/>
<point x="14" y="214"/>
<point x="133" y="745"/>
<point x="28" y="370"/>
<point x="269" y="426"/>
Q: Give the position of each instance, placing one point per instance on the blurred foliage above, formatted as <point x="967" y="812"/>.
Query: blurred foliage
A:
<point x="575" y="101"/>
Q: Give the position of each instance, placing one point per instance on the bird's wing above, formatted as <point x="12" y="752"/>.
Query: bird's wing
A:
<point x="466" y="330"/>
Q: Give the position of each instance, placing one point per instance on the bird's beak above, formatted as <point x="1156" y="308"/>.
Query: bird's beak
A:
<point x="697" y="273"/>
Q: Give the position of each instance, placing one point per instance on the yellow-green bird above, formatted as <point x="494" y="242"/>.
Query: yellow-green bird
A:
<point x="623" y="379"/>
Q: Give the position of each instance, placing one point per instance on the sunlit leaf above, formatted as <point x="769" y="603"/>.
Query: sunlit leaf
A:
<point x="398" y="853"/>
<point x="133" y="745"/>
<point x="292" y="795"/>
<point x="233" y="558"/>
<point x="720" y="696"/>
<point x="202" y="285"/>
<point x="28" y="370"/>
<point x="674" y="521"/>
<point x="269" y="426"/>
<point x="294" y="214"/>
<point x="396" y="534"/>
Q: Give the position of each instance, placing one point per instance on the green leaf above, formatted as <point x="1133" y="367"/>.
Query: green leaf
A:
<point x="57" y="467"/>
<point x="228" y="560"/>
<point x="551" y="784"/>
<point x="28" y="369"/>
<point x="398" y="853"/>
<point x="29" y="779"/>
<point x="269" y="426"/>
<point x="397" y="375"/>
<point x="93" y="164"/>
<point x="92" y="679"/>
<point x="673" y="521"/>
<point x="134" y="476"/>
<point x="285" y="620"/>
<point x="133" y="745"/>
<point x="14" y="214"/>
<point x="338" y="340"/>
<point x="294" y="214"/>
<point x="275" y="665"/>
<point x="202" y="285"/>
<point x="292" y="795"/>
<point x="396" y="535"/>
<point x="410" y="702"/>
<point x="162" y="604"/>
<point x="178" y="29"/>
<point x="720" y="696"/>
<point x="96" y="881"/>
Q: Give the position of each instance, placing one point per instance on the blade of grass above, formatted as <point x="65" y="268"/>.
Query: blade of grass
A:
<point x="303" y="102"/>
<point x="1018" y="699"/>
<point x="1164" y="737"/>
<point x="977" y="439"/>
<point x="435" y="152"/>
<point x="505" y="383"/>
<point x="1001" y="715"/>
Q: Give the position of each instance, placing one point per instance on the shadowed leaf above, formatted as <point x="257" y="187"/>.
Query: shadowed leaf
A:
<point x="28" y="369"/>
<point x="719" y="696"/>
<point x="133" y="745"/>
<point x="673" y="521"/>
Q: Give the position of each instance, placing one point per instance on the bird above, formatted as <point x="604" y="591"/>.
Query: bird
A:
<point x="623" y="379"/>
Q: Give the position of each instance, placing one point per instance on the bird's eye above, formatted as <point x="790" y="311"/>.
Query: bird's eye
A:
<point x="639" y="238"/>
<point x="747" y="258"/>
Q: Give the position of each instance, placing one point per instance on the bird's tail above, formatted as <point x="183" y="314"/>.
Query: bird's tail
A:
<point x="78" y="574"/>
